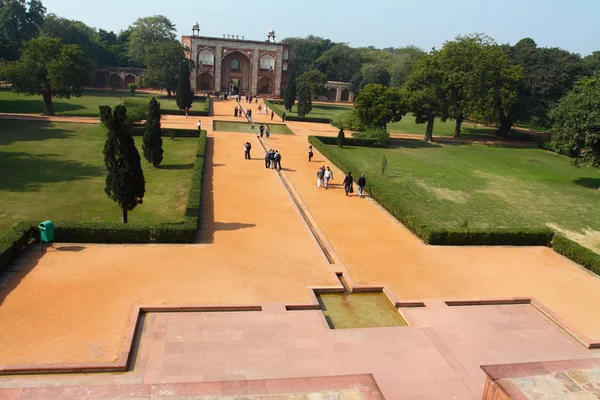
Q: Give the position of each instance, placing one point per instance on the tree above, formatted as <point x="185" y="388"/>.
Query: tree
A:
<point x="376" y="106"/>
<point x="304" y="100"/>
<point x="152" y="145"/>
<point x="125" y="182"/>
<point x="340" y="62"/>
<point x="289" y="93"/>
<point x="20" y="21"/>
<point x="305" y="51"/>
<point x="425" y="92"/>
<point x="341" y="138"/>
<point x="163" y="66"/>
<point x="315" y="81"/>
<point x="576" y="123"/>
<point x="402" y="63"/>
<point x="184" y="95"/>
<point x="592" y="63"/>
<point x="49" y="68"/>
<point x="146" y="34"/>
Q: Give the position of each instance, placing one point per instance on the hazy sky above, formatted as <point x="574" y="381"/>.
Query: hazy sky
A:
<point x="572" y="25"/>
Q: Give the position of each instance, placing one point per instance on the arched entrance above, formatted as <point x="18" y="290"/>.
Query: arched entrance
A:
<point x="345" y="95"/>
<point x="205" y="81"/>
<point x="332" y="94"/>
<point x="265" y="85"/>
<point x="129" y="79"/>
<point x="115" y="81"/>
<point x="100" y="80"/>
<point x="235" y="67"/>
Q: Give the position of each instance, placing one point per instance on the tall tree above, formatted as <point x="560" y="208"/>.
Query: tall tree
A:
<point x="49" y="68"/>
<point x="403" y="61"/>
<point x="304" y="100"/>
<point x="305" y="51"/>
<point x="125" y="182"/>
<point x="425" y="92"/>
<point x="152" y="144"/>
<point x="163" y="66"/>
<point x="340" y="62"/>
<point x="592" y="63"/>
<point x="20" y="21"/>
<point x="289" y="92"/>
<point x="314" y="80"/>
<point x="184" y="95"/>
<point x="576" y="123"/>
<point x="146" y="34"/>
<point x="376" y="106"/>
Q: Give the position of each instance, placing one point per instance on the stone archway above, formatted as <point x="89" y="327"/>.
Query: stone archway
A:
<point x="345" y="95"/>
<point x="129" y="79"/>
<point x="236" y="66"/>
<point x="332" y="94"/>
<point x="205" y="81"/>
<point x="100" y="80"/>
<point x="115" y="81"/>
<point x="265" y="85"/>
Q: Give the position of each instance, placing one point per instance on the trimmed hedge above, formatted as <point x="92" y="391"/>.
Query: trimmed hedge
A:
<point x="140" y="130"/>
<point x="348" y="141"/>
<point x="577" y="253"/>
<point x="191" y="112"/>
<point x="434" y="235"/>
<point x="16" y="241"/>
<point x="308" y="119"/>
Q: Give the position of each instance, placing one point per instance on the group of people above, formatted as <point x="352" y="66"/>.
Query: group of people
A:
<point x="324" y="175"/>
<point x="273" y="159"/>
<point x="264" y="131"/>
<point x="239" y="111"/>
<point x="249" y="99"/>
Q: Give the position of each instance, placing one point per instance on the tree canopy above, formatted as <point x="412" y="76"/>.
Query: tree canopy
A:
<point x="314" y="80"/>
<point x="340" y="62"/>
<point x="376" y="106"/>
<point x="20" y="21"/>
<point x="146" y="34"/>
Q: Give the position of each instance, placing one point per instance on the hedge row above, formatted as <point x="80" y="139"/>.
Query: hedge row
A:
<point x="308" y="119"/>
<point x="434" y="235"/>
<point x="577" y="253"/>
<point x="191" y="112"/>
<point x="140" y="130"/>
<point x="17" y="240"/>
<point x="348" y="141"/>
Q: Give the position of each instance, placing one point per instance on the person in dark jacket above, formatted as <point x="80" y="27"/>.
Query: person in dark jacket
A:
<point x="277" y="160"/>
<point x="262" y="130"/>
<point x="348" y="183"/>
<point x="272" y="158"/>
<point x="362" y="181"/>
<point x="247" y="148"/>
<point x="268" y="159"/>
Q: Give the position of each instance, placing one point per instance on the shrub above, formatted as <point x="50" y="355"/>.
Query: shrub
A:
<point x="132" y="88"/>
<point x="577" y="253"/>
<point x="348" y="120"/>
<point x="379" y="135"/>
<point x="308" y="119"/>
<point x="140" y="130"/>
<point x="137" y="110"/>
<point x="15" y="242"/>
<point x="340" y="138"/>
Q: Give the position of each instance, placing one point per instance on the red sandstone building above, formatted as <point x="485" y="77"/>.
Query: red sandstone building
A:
<point x="242" y="66"/>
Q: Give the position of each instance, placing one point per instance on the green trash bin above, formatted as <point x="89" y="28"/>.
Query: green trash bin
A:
<point x="46" y="231"/>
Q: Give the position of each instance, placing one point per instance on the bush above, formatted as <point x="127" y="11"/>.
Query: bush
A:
<point x="379" y="135"/>
<point x="577" y="253"/>
<point x="132" y="88"/>
<point x="137" y="110"/>
<point x="308" y="119"/>
<point x="139" y="131"/>
<point x="16" y="241"/>
<point x="348" y="120"/>
<point x="347" y="141"/>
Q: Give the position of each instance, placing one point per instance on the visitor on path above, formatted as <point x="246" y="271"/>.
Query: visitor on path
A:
<point x="247" y="148"/>
<point x="272" y="158"/>
<point x="327" y="176"/>
<point x="320" y="176"/>
<point x="186" y="111"/>
<point x="266" y="110"/>
<point x="348" y="184"/>
<point x="268" y="131"/>
<point x="249" y="116"/>
<point x="283" y="117"/>
<point x="256" y="99"/>
<point x="262" y="130"/>
<point x="277" y="160"/>
<point x="199" y="125"/>
<point x="272" y="114"/>
<point x="310" y="153"/>
<point x="250" y="98"/>
<point x="235" y="111"/>
<point x="362" y="181"/>
<point x="259" y="109"/>
<point x="268" y="159"/>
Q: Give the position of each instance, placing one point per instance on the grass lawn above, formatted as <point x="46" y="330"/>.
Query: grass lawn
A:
<point x="56" y="171"/>
<point x="330" y="111"/>
<point x="408" y="125"/>
<point x="84" y="106"/>
<point x="487" y="186"/>
<point x="244" y="127"/>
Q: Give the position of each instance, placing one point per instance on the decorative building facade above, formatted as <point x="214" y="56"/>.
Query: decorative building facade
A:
<point x="237" y="65"/>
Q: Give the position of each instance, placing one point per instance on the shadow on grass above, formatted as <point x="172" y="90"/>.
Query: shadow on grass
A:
<point x="591" y="183"/>
<point x="177" y="166"/>
<point x="14" y="131"/>
<point x="35" y="106"/>
<point x="26" y="172"/>
<point x="411" y="144"/>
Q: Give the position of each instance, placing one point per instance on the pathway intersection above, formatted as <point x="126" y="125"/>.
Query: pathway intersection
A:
<point x="256" y="248"/>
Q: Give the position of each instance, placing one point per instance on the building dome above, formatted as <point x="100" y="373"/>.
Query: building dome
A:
<point x="196" y="26"/>
<point x="271" y="32"/>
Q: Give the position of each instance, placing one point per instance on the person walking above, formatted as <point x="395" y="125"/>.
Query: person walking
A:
<point x="268" y="159"/>
<point x="272" y="114"/>
<point x="199" y="125"/>
<point x="235" y="111"/>
<point x="283" y="117"/>
<point x="187" y="110"/>
<point x="277" y="160"/>
<point x="262" y="130"/>
<point x="268" y="131"/>
<point x="320" y="176"/>
<point x="266" y="109"/>
<point x="259" y="109"/>
<point x="362" y="181"/>
<point x="310" y="153"/>
<point x="272" y="158"/>
<point x="348" y="184"/>
<point x="328" y="174"/>
<point x="247" y="148"/>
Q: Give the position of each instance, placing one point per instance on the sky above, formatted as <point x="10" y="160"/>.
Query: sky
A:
<point x="569" y="24"/>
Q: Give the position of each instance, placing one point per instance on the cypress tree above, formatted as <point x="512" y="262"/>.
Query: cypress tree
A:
<point x="304" y="100"/>
<point x="341" y="138"/>
<point x="289" y="93"/>
<point x="184" y="95"/>
<point x="152" y="145"/>
<point x="125" y="182"/>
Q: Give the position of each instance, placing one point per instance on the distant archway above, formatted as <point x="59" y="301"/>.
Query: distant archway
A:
<point x="265" y="85"/>
<point x="235" y="65"/>
<point x="332" y="94"/>
<point x="206" y="59"/>
<point x="129" y="79"/>
<point x="100" y="80"/>
<point x="115" y="81"/>
<point x="267" y="62"/>
<point x="345" y="95"/>
<point x="205" y="81"/>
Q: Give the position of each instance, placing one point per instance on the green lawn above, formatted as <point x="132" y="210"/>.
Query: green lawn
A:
<point x="244" y="127"/>
<point x="84" y="106"/>
<point x="56" y="171"/>
<point x="318" y="110"/>
<point x="486" y="186"/>
<point x="408" y="125"/>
